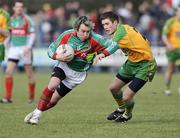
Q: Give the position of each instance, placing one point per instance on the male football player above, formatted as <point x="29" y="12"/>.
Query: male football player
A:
<point x="67" y="75"/>
<point x="21" y="42"/>
<point x="171" y="39"/>
<point x="139" y="68"/>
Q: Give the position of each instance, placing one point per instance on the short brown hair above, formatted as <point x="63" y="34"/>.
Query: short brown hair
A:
<point x="83" y="20"/>
<point x="110" y="15"/>
<point x="19" y="1"/>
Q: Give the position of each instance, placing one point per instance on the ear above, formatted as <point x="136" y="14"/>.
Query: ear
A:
<point x="13" y="8"/>
<point x="115" y="22"/>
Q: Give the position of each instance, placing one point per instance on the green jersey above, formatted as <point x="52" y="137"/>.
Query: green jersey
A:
<point x="21" y="27"/>
<point x="85" y="51"/>
<point x="4" y="23"/>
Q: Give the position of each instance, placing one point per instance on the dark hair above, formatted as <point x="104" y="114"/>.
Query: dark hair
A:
<point x="19" y="1"/>
<point x="110" y="15"/>
<point x="83" y="20"/>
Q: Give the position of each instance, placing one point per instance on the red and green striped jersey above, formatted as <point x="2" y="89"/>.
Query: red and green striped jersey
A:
<point x="95" y="44"/>
<point x="21" y="27"/>
<point x="171" y="29"/>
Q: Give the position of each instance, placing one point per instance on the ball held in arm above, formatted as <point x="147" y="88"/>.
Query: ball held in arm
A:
<point x="65" y="52"/>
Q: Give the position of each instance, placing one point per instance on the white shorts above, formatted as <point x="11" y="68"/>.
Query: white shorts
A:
<point x="17" y="53"/>
<point x="73" y="78"/>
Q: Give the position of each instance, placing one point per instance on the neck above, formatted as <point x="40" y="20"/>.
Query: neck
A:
<point x="18" y="15"/>
<point x="112" y="34"/>
<point x="79" y="37"/>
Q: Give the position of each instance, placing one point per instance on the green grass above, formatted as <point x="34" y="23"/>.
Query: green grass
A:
<point x="82" y="113"/>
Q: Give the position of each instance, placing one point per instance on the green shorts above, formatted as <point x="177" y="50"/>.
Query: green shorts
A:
<point x="172" y="56"/>
<point x="144" y="70"/>
<point x="2" y="52"/>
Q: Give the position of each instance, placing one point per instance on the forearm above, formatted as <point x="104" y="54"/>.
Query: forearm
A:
<point x="166" y="41"/>
<point x="4" y="32"/>
<point x="52" y="51"/>
<point x="31" y="40"/>
<point x="110" y="48"/>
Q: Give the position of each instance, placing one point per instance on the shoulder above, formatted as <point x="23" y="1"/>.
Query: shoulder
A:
<point x="120" y="32"/>
<point x="5" y="14"/>
<point x="64" y="37"/>
<point x="170" y="21"/>
<point x="96" y="36"/>
<point x="28" y="19"/>
<point x="68" y="33"/>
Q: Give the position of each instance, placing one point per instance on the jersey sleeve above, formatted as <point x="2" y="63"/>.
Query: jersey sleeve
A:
<point x="119" y="34"/>
<point x="52" y="48"/>
<point x="166" y="27"/>
<point x="8" y="27"/>
<point x="31" y="26"/>
<point x="6" y="21"/>
<point x="105" y="46"/>
<point x="62" y="39"/>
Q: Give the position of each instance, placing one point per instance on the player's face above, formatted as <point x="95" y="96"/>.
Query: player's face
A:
<point x="18" y="8"/>
<point x="83" y="32"/>
<point x="109" y="26"/>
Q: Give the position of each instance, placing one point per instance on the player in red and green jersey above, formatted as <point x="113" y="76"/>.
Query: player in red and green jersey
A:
<point x="4" y="31"/>
<point x="171" y="39"/>
<point x="67" y="75"/>
<point x="139" y="68"/>
<point x="21" y="42"/>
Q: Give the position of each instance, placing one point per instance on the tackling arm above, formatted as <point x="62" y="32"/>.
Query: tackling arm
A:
<point x="4" y="32"/>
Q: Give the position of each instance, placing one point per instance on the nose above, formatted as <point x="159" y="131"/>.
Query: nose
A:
<point x="86" y="34"/>
<point x="105" y="27"/>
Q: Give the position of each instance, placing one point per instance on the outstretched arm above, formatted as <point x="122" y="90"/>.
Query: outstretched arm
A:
<point x="4" y="32"/>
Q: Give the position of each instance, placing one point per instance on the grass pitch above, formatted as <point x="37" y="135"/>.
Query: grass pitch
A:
<point x="82" y="113"/>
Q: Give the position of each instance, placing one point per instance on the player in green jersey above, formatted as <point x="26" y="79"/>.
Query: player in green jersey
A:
<point x="139" y="68"/>
<point x="171" y="39"/>
<point x="21" y="42"/>
<point x="67" y="75"/>
<point x="4" y="31"/>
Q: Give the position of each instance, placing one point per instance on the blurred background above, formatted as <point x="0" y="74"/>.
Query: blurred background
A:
<point x="52" y="17"/>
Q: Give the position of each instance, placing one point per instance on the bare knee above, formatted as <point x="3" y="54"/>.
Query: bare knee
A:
<point x="53" y="86"/>
<point x="9" y="74"/>
<point x="113" y="88"/>
<point x="170" y="68"/>
<point x="116" y="85"/>
<point x="30" y="78"/>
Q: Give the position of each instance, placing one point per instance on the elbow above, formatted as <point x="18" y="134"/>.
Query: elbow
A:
<point x="163" y="38"/>
<point x="48" y="53"/>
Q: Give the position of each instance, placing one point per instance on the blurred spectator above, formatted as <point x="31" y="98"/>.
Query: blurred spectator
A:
<point x="146" y="24"/>
<point x="93" y="15"/>
<point x="48" y="25"/>
<point x="149" y="18"/>
<point x="126" y="14"/>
